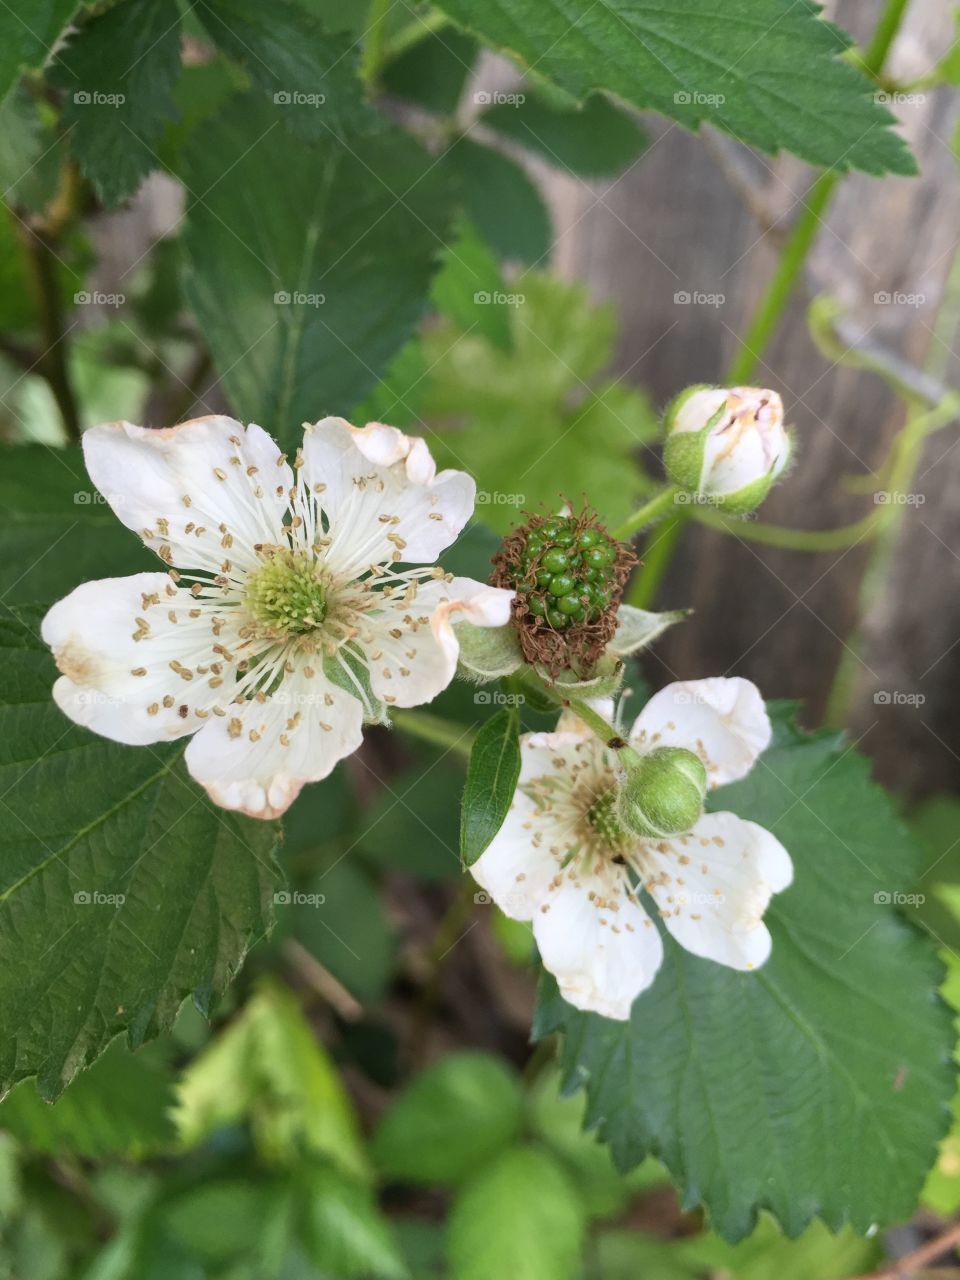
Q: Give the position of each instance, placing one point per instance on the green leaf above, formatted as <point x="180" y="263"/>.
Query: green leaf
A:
<point x="118" y="71"/>
<point x="558" y="1121"/>
<point x="412" y="825"/>
<point x="26" y="42"/>
<point x="526" y="421"/>
<point x="268" y="1067"/>
<point x="450" y="1120"/>
<point x="766" y="71"/>
<point x="307" y="75"/>
<point x="338" y="916"/>
<point x="433" y="72"/>
<point x="492" y="775"/>
<point x="468" y="271"/>
<point x="219" y="1221"/>
<point x="501" y="201"/>
<point x="119" y="1107"/>
<point x="87" y="822"/>
<point x="817" y="1085"/>
<point x="520" y="1217"/>
<point x="594" y="141"/>
<point x="319" y="228"/>
<point x="346" y="1234"/>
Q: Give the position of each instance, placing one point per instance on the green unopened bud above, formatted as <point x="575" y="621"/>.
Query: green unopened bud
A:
<point x="663" y="794"/>
<point x="726" y="445"/>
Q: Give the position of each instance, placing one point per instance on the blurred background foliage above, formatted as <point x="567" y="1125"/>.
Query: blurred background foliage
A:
<point x="364" y="1102"/>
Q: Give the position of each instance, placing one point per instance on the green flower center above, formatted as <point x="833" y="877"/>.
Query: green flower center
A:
<point x="602" y="816"/>
<point x="287" y="595"/>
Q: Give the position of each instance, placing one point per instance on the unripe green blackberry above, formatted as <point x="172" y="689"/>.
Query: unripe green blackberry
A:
<point x="568" y="575"/>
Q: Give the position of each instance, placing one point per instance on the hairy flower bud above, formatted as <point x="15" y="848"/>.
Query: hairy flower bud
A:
<point x="726" y="445"/>
<point x="663" y="794"/>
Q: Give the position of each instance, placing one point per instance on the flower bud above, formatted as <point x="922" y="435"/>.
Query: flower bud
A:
<point x="663" y="794"/>
<point x="726" y="445"/>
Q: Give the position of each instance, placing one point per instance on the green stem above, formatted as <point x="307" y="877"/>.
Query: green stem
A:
<point x="774" y="535"/>
<point x="771" y="307"/>
<point x="774" y="302"/>
<point x="413" y="33"/>
<point x="605" y="731"/>
<point x="652" y="510"/>
<point x="375" y="41"/>
<point x="435" y="729"/>
<point x="656" y="557"/>
<point x="883" y="36"/>
<point x="905" y="457"/>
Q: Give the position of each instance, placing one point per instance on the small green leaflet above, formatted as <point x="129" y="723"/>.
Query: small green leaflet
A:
<point x="502" y="202"/>
<point x="451" y="1119"/>
<point x="520" y="1216"/>
<point x="818" y="1085"/>
<point x="268" y="1068"/>
<point x="123" y="889"/>
<point x="118" y="72"/>
<point x="769" y="72"/>
<point x="593" y="141"/>
<point x="492" y="775"/>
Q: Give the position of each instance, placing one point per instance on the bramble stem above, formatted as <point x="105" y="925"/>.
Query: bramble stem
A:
<point x="432" y="728"/>
<point x="605" y="731"/>
<point x="375" y="39"/>
<point x="651" y="511"/>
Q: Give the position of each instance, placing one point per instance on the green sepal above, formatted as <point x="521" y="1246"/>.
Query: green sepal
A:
<point x="684" y="451"/>
<point x="374" y="711"/>
<point x="603" y="681"/>
<point x="636" y="628"/>
<point x="487" y="653"/>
